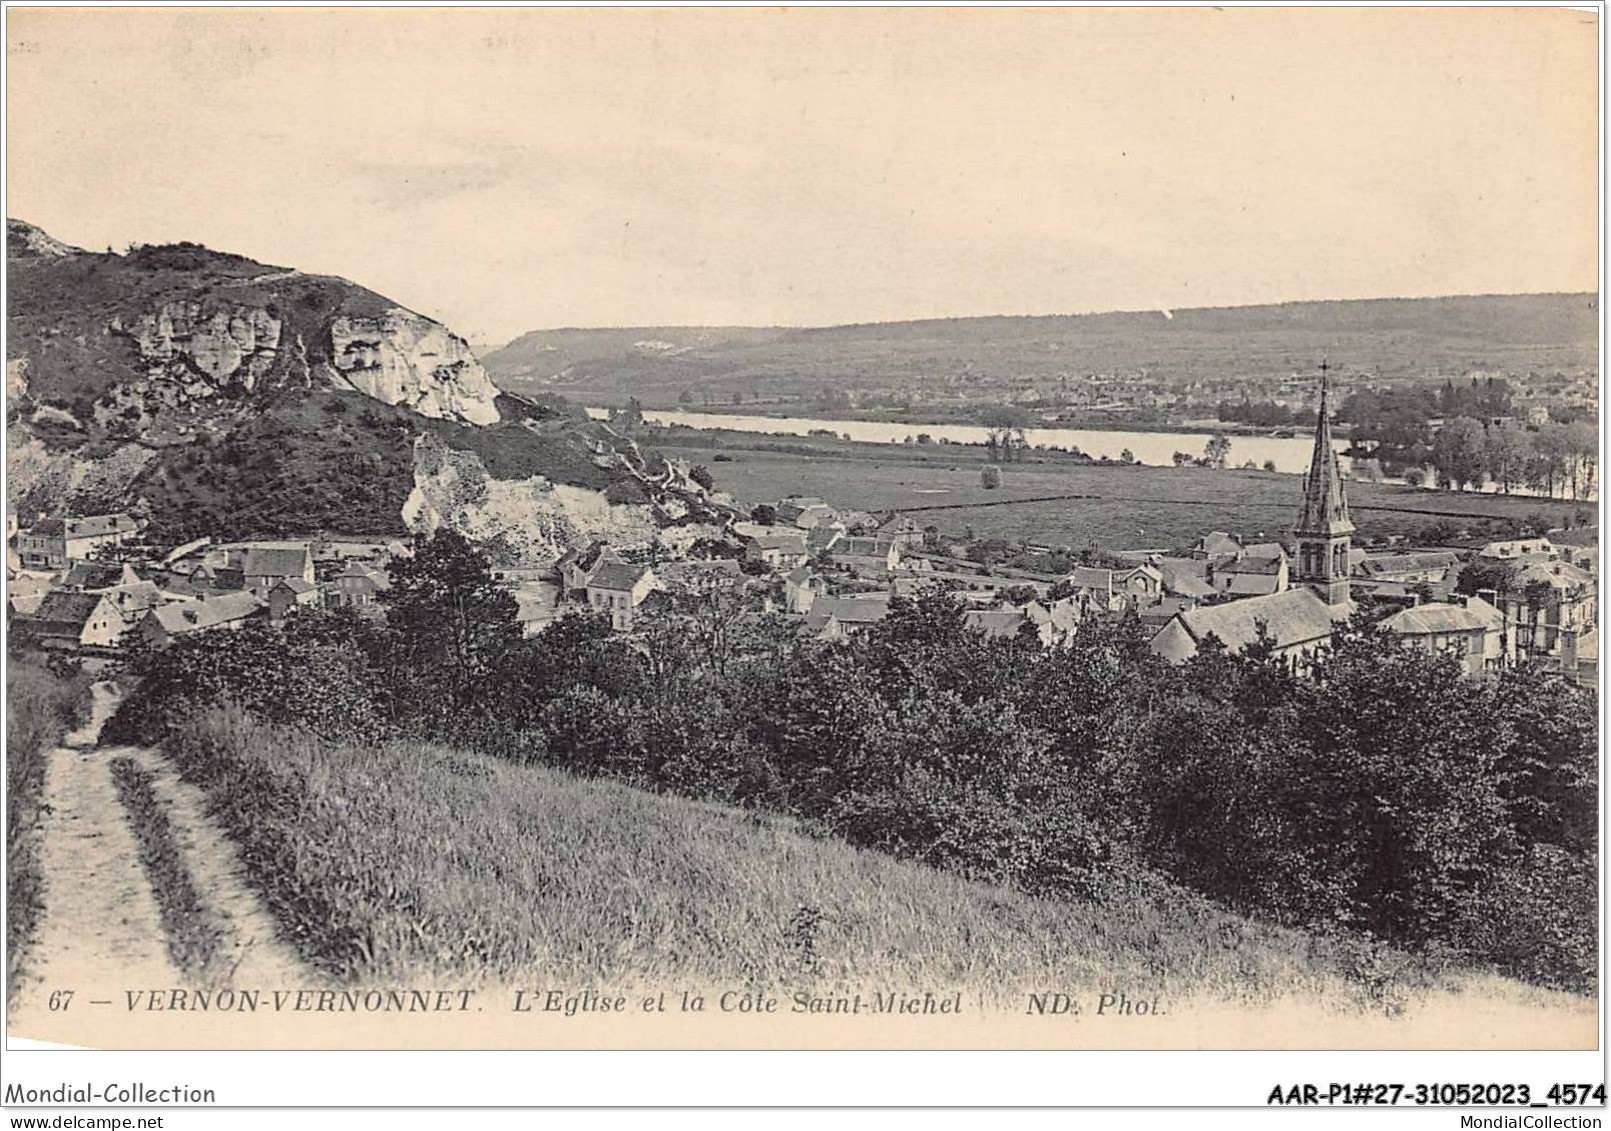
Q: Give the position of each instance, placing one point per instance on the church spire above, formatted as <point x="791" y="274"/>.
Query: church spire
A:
<point x="1325" y="502"/>
<point x="1323" y="525"/>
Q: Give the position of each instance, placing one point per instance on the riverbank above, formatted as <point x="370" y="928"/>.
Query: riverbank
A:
<point x="943" y="416"/>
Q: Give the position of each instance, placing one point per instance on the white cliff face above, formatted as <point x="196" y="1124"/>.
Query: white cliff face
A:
<point x="519" y="521"/>
<point x="190" y="352"/>
<point x="40" y="480"/>
<point x="404" y="359"/>
<point x="224" y="346"/>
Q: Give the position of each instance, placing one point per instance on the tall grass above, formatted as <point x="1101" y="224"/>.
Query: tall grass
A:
<point x="193" y="930"/>
<point x="40" y="707"/>
<point x="393" y="862"/>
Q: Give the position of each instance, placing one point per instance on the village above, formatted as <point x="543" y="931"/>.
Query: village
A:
<point x="90" y="587"/>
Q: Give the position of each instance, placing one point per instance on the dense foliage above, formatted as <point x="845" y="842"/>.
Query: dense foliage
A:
<point x="1383" y="793"/>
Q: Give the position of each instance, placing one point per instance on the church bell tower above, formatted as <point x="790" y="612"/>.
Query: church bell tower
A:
<point x="1323" y="527"/>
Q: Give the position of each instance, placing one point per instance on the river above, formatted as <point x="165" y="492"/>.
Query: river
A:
<point x="1147" y="447"/>
<point x="1155" y="448"/>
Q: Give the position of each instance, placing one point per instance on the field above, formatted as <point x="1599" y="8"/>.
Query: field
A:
<point x="366" y="856"/>
<point x="1107" y="506"/>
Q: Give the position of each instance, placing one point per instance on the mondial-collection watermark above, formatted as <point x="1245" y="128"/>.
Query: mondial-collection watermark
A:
<point x="136" y="1095"/>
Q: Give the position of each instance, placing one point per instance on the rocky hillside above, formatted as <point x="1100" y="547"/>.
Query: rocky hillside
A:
<point x="217" y="395"/>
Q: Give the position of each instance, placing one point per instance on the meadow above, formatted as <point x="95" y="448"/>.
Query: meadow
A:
<point x="1057" y="501"/>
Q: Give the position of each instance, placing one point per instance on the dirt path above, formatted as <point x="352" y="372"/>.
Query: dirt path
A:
<point x="101" y="933"/>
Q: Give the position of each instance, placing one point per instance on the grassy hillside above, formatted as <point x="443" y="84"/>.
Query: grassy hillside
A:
<point x="1385" y="337"/>
<point x="402" y="862"/>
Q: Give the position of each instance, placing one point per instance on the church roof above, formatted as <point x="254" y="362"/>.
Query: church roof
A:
<point x="1293" y="617"/>
<point x="1325" y="504"/>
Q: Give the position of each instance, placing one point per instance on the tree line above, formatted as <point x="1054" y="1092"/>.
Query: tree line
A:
<point x="1382" y="793"/>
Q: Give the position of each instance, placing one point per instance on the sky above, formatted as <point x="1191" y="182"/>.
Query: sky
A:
<point x="508" y="170"/>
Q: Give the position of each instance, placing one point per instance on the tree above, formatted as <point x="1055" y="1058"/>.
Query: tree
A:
<point x="1457" y="453"/>
<point x="1180" y="459"/>
<point x="1269" y="465"/>
<point x="1504" y="456"/>
<point x="1005" y="425"/>
<point x="1218" y="450"/>
<point x="701" y="475"/>
<point x="453" y="621"/>
<point x="1484" y="575"/>
<point x="630" y="418"/>
<point x="764" y="514"/>
<point x="990" y="477"/>
<point x="1127" y="456"/>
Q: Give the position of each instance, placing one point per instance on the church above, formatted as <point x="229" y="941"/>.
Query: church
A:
<point x="1299" y="619"/>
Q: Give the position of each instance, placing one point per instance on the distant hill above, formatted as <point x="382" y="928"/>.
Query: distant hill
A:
<point x="215" y="395"/>
<point x="1389" y="338"/>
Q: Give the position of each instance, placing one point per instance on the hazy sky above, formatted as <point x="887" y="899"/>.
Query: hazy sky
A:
<point x="508" y="170"/>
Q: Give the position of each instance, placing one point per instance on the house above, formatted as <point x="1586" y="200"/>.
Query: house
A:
<point x="357" y="587"/>
<point x="265" y="566"/>
<point x="1255" y="571"/>
<point x="575" y="567"/>
<point x="1216" y="544"/>
<point x="71" y="621"/>
<point x="869" y="548"/>
<point x="133" y="600"/>
<point x="998" y="624"/>
<point x="1582" y="658"/>
<point x="836" y="618"/>
<point x="90" y="577"/>
<point x="26" y="592"/>
<point x="1549" y="599"/>
<point x="780" y="550"/>
<point x="619" y="588"/>
<point x="225" y="612"/>
<point x="1184" y="577"/>
<point x="289" y="595"/>
<point x="1055" y="623"/>
<point x="1471" y="630"/>
<point x="1094" y="586"/>
<point x="799" y="590"/>
<point x="1431" y="567"/>
<point x="804" y="511"/>
<point x="1520" y="549"/>
<point x="54" y="542"/>
<point x="1154" y="616"/>
<point x="902" y="528"/>
<point x="1115" y="589"/>
<point x="1580" y="546"/>
<point x="824" y="536"/>
<point x="191" y="579"/>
